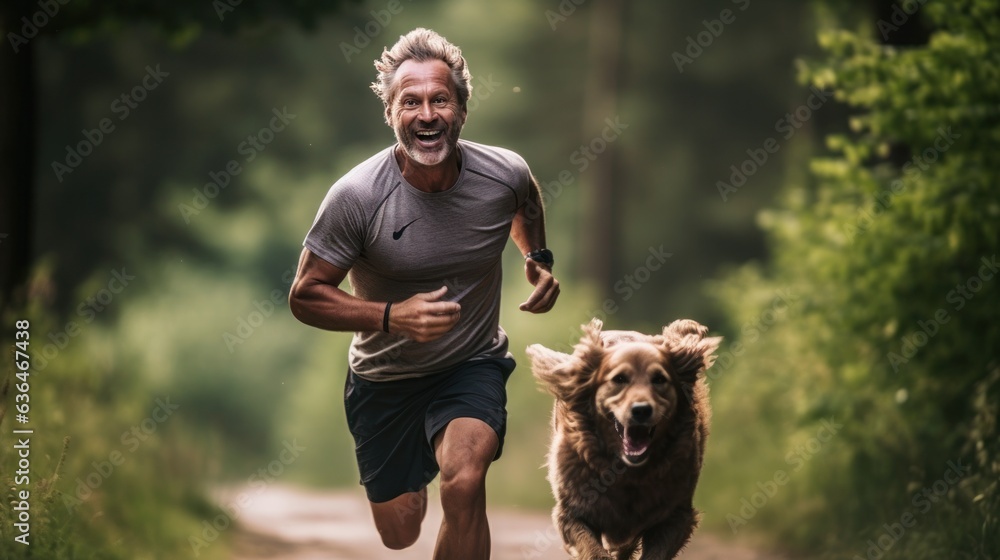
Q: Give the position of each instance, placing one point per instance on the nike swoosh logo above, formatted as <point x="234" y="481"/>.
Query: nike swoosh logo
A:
<point x="399" y="233"/>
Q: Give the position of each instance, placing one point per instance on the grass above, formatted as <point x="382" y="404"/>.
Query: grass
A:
<point x="92" y="491"/>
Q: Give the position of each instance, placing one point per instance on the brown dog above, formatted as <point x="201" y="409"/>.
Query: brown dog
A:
<point x="630" y="422"/>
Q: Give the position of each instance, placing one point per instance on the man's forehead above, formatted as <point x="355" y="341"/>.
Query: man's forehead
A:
<point x="418" y="73"/>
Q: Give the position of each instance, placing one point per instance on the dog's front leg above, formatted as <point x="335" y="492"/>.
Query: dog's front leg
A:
<point x="664" y="540"/>
<point x="581" y="541"/>
<point x="626" y="553"/>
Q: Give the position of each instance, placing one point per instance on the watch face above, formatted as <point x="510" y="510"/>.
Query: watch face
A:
<point x="543" y="256"/>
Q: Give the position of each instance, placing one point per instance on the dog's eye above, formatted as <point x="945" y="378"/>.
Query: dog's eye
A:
<point x="619" y="379"/>
<point x="659" y="379"/>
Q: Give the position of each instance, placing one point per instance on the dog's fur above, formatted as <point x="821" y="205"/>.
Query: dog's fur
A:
<point x="629" y="428"/>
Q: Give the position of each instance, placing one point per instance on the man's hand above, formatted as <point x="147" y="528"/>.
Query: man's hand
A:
<point x="424" y="317"/>
<point x="546" y="288"/>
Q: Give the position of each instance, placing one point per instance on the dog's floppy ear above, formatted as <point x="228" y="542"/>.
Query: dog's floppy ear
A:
<point x="544" y="361"/>
<point x="690" y="352"/>
<point x="565" y="376"/>
<point x="682" y="327"/>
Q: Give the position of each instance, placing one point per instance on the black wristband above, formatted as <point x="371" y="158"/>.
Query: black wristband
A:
<point x="385" y="318"/>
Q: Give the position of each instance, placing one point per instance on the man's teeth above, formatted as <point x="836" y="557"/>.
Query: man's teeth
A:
<point x="428" y="133"/>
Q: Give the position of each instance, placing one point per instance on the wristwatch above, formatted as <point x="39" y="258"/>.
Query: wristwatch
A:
<point x="542" y="256"/>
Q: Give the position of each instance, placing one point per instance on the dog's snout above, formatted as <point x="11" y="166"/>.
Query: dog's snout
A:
<point x="641" y="412"/>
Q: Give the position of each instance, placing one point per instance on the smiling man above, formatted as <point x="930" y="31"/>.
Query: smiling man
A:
<point x="419" y="230"/>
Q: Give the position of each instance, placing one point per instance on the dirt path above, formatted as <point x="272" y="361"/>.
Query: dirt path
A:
<point x="299" y="524"/>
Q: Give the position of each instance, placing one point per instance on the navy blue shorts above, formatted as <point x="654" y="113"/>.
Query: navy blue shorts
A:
<point x="394" y="422"/>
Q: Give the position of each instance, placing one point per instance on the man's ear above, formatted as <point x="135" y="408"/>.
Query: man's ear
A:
<point x="388" y="115"/>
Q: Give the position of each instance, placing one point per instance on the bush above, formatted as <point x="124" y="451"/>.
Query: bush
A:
<point x="891" y="248"/>
<point x="114" y="473"/>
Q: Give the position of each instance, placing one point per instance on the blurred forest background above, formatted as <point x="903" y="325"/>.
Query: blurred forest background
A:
<point x="816" y="181"/>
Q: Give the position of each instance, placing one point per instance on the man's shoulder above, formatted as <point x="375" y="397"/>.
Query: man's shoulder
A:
<point x="370" y="179"/>
<point x="493" y="159"/>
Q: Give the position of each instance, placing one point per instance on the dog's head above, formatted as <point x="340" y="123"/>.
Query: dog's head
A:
<point x="632" y="383"/>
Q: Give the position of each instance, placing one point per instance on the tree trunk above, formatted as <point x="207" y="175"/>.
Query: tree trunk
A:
<point x="601" y="212"/>
<point x="17" y="152"/>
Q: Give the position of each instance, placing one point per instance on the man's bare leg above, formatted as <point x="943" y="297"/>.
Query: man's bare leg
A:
<point x="398" y="520"/>
<point x="464" y="450"/>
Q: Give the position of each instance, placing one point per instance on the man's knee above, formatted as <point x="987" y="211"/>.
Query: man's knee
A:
<point x="463" y="484"/>
<point x="398" y="521"/>
<point x="465" y="450"/>
<point x="398" y="538"/>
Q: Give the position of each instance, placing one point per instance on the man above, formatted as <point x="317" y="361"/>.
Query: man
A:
<point x="420" y="228"/>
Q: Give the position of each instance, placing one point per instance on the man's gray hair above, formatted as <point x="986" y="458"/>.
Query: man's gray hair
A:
<point x="421" y="45"/>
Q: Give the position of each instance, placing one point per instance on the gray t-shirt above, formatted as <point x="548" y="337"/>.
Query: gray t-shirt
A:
<point x="397" y="241"/>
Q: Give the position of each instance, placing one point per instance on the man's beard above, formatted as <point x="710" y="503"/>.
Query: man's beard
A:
<point x="407" y="139"/>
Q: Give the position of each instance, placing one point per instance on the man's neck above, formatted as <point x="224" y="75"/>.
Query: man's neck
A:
<point x="434" y="178"/>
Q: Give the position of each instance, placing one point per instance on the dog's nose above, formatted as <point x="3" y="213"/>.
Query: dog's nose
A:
<point x="641" y="412"/>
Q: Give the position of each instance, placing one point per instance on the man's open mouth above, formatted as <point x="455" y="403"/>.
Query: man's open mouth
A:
<point x="429" y="137"/>
<point x="636" y="440"/>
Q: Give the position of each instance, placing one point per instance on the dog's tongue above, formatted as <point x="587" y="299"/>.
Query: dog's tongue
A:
<point x="636" y="440"/>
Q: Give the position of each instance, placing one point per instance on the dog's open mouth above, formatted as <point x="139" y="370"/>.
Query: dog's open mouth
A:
<point x="635" y="441"/>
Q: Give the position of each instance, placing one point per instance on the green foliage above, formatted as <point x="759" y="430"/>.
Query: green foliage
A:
<point x="97" y="488"/>
<point x="87" y="18"/>
<point x="891" y="246"/>
<point x="860" y="271"/>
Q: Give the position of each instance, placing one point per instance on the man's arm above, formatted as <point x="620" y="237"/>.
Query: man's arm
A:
<point x="317" y="300"/>
<point x="528" y="233"/>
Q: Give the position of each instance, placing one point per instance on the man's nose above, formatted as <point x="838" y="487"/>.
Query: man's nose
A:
<point x="427" y="112"/>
